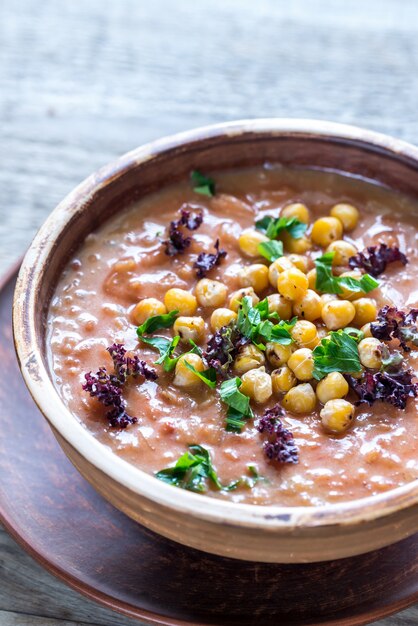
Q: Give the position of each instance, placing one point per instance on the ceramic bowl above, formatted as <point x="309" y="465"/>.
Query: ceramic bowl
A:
<point x="256" y="533"/>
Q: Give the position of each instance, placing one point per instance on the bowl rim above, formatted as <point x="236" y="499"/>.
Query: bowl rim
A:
<point x="29" y="349"/>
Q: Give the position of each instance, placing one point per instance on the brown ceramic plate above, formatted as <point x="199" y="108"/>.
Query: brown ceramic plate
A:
<point x="64" y="524"/>
<point x="258" y="533"/>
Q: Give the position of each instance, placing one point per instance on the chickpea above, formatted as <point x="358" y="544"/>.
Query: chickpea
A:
<point x="183" y="377"/>
<point x="328" y="297"/>
<point x="338" y="314"/>
<point x="347" y="214"/>
<point x="148" y="307"/>
<point x="211" y="292"/>
<point x="255" y="276"/>
<point x="370" y="352"/>
<point x="332" y="387"/>
<point x="297" y="246"/>
<point x="249" y="240"/>
<point x="343" y="251"/>
<point x="180" y="300"/>
<point x="282" y="379"/>
<point x="300" y="399"/>
<point x="366" y="311"/>
<point x="236" y="297"/>
<point x="292" y="284"/>
<point x="309" y="307"/>
<point x="298" y="210"/>
<point x="300" y="261"/>
<point x="305" y="334"/>
<point x="366" y="330"/>
<point x="256" y="384"/>
<point x="221" y="317"/>
<point x="311" y="276"/>
<point x="325" y="230"/>
<point x="277" y="267"/>
<point x="301" y="363"/>
<point x="337" y="415"/>
<point x="248" y="358"/>
<point x="347" y="294"/>
<point x="279" y="305"/>
<point x="190" y="328"/>
<point x="277" y="354"/>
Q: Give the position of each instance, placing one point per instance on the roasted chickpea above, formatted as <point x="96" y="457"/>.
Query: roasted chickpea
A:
<point x="337" y="415"/>
<point x="183" y="377"/>
<point x="366" y="330"/>
<point x="301" y="363"/>
<point x="338" y="314"/>
<point x="298" y="210"/>
<point x="347" y="214"/>
<point x="221" y="317"/>
<point x="309" y="307"/>
<point x="277" y="267"/>
<point x="332" y="387"/>
<point x="255" y="276"/>
<point x="292" y="284"/>
<point x="305" y="334"/>
<point x="370" y="352"/>
<point x="249" y="357"/>
<point x="277" y="354"/>
<point x="282" y="379"/>
<point x="366" y="311"/>
<point x="325" y="230"/>
<point x="300" y="261"/>
<point x="343" y="251"/>
<point x="279" y="305"/>
<point x="311" y="276"/>
<point x="237" y="296"/>
<point x="256" y="384"/>
<point x="297" y="246"/>
<point x="211" y="292"/>
<point x="328" y="297"/>
<point x="249" y="240"/>
<point x="180" y="300"/>
<point x="300" y="399"/>
<point x="148" y="307"/>
<point x="190" y="328"/>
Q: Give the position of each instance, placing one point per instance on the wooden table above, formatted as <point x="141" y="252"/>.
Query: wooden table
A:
<point x="84" y="81"/>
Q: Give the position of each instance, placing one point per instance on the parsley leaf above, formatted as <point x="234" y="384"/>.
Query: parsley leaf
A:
<point x="202" y="184"/>
<point x="271" y="250"/>
<point x="156" y="322"/>
<point x="238" y="404"/>
<point x="193" y="471"/>
<point x="354" y="333"/>
<point x="166" y="348"/>
<point x="328" y="283"/>
<point x="207" y="376"/>
<point x="338" y="352"/>
<point x="252" y="322"/>
<point x="272" y="227"/>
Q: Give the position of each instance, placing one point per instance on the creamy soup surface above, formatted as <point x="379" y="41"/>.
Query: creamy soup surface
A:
<point x="124" y="261"/>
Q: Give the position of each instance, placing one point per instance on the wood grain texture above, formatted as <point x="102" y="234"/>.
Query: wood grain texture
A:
<point x="81" y="82"/>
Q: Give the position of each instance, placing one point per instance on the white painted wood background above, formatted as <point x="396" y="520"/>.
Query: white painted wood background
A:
<point x="82" y="81"/>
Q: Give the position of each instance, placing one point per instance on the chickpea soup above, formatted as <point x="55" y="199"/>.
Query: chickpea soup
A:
<point x="250" y="335"/>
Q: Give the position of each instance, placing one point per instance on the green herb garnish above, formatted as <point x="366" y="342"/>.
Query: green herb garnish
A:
<point x="166" y="348"/>
<point x="252" y="322"/>
<point x="156" y="322"/>
<point x="328" y="283"/>
<point x="271" y="250"/>
<point x="272" y="227"/>
<point x="193" y="470"/>
<point x="207" y="376"/>
<point x="338" y="352"/>
<point x="354" y="333"/>
<point x="238" y="404"/>
<point x="202" y="184"/>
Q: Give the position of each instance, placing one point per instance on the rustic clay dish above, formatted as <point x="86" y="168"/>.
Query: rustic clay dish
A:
<point x="258" y="533"/>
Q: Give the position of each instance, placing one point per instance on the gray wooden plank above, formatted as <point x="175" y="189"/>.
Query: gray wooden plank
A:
<point x="9" y="618"/>
<point x="82" y="82"/>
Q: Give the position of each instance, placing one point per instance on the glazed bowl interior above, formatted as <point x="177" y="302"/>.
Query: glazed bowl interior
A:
<point x="293" y="143"/>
